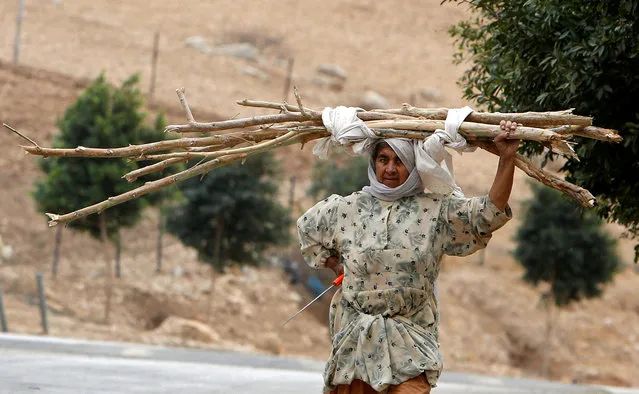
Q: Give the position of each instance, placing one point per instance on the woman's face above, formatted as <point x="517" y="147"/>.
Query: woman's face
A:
<point x="389" y="169"/>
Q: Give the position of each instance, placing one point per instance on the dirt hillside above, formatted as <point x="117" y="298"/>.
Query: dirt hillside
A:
<point x="491" y="322"/>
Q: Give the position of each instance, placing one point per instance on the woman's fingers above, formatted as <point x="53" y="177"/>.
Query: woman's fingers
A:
<point x="507" y="125"/>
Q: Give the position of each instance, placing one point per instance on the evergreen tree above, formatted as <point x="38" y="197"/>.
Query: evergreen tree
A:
<point x="539" y="55"/>
<point x="559" y="244"/>
<point x="231" y="215"/>
<point x="106" y="117"/>
<point x="565" y="248"/>
<point x="341" y="174"/>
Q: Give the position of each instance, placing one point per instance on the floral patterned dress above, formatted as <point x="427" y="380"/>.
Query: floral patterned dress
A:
<point x="384" y="318"/>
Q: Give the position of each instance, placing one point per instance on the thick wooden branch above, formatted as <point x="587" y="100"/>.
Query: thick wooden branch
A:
<point x="226" y="140"/>
<point x="577" y="193"/>
<point x="299" y="124"/>
<point x="469" y="130"/>
<point x="247" y="149"/>
<point x="473" y="131"/>
<point x="595" y="133"/>
<point x="531" y="119"/>
<point x="363" y="115"/>
<point x="197" y="127"/>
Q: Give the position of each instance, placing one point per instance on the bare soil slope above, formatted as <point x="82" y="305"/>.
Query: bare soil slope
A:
<point x="491" y="322"/>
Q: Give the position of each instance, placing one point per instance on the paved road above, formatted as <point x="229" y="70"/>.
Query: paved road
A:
<point x="60" y="366"/>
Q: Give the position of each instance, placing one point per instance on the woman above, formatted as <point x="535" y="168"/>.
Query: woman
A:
<point x="388" y="240"/>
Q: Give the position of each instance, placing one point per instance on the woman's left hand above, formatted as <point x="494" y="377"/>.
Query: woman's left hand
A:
<point x="507" y="147"/>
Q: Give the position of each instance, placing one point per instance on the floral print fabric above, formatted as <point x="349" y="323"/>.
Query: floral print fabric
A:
<point x="384" y="318"/>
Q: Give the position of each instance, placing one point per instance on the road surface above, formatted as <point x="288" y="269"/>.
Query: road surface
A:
<point x="61" y="366"/>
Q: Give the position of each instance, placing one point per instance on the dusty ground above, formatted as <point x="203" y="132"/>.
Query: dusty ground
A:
<point x="491" y="322"/>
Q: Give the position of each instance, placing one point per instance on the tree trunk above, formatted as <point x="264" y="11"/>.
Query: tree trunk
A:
<point x="108" y="288"/>
<point x="118" y="253"/>
<point x="291" y="195"/>
<point x="158" y="261"/>
<point x="216" y="263"/>
<point x="56" y="252"/>
<point x="481" y="258"/>
<point x="550" y="301"/>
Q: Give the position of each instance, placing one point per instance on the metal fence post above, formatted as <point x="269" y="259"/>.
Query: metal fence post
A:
<point x="3" y="316"/>
<point x="43" y="303"/>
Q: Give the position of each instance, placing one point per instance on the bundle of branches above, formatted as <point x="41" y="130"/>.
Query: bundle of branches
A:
<point x="296" y="124"/>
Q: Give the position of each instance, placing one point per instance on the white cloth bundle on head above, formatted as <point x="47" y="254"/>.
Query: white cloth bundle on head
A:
<point x="429" y="163"/>
<point x="434" y="162"/>
<point x="346" y="129"/>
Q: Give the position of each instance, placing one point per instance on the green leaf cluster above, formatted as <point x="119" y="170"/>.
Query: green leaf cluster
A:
<point x="240" y="201"/>
<point x="541" y="55"/>
<point x="341" y="174"/>
<point x="103" y="116"/>
<point x="559" y="244"/>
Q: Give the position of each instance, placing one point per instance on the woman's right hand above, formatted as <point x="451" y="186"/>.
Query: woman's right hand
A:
<point x="334" y="263"/>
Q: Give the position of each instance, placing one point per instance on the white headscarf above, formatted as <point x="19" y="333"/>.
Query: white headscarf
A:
<point x="428" y="162"/>
<point x="403" y="147"/>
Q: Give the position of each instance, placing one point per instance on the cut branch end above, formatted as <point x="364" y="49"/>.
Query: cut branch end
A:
<point x="54" y="219"/>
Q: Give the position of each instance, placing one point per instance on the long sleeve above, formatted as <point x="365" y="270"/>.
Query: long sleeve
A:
<point x="316" y="229"/>
<point x="468" y="223"/>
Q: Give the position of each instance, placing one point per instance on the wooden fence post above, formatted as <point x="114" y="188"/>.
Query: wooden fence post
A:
<point x="16" y="43"/>
<point x="158" y="257"/>
<point x="291" y="193"/>
<point x="56" y="252"/>
<point x="43" y="303"/>
<point x="154" y="63"/>
<point x="289" y="77"/>
<point x="3" y="315"/>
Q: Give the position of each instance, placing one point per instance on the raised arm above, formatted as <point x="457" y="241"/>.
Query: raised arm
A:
<point x="503" y="183"/>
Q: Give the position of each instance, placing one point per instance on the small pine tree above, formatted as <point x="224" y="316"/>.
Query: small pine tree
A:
<point x="560" y="245"/>
<point x="342" y="174"/>
<point x="103" y="116"/>
<point x="231" y="215"/>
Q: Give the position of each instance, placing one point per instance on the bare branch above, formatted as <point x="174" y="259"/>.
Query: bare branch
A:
<point x="185" y="105"/>
<point x="273" y="105"/>
<point x="532" y="119"/>
<point x="135" y="174"/>
<point x="298" y="98"/>
<point x="596" y="133"/>
<point x="298" y="124"/>
<point x="363" y="115"/>
<point x="577" y="193"/>
<point x="240" y="123"/>
<point x="142" y="190"/>
<point x="22" y="135"/>
<point x="226" y="140"/>
<point x="280" y="141"/>
<point x="472" y="131"/>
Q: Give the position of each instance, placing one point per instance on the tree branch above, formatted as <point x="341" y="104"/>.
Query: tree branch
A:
<point x="145" y="189"/>
<point x="577" y="193"/>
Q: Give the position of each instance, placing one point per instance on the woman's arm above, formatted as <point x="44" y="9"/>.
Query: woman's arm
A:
<point x="503" y="183"/>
